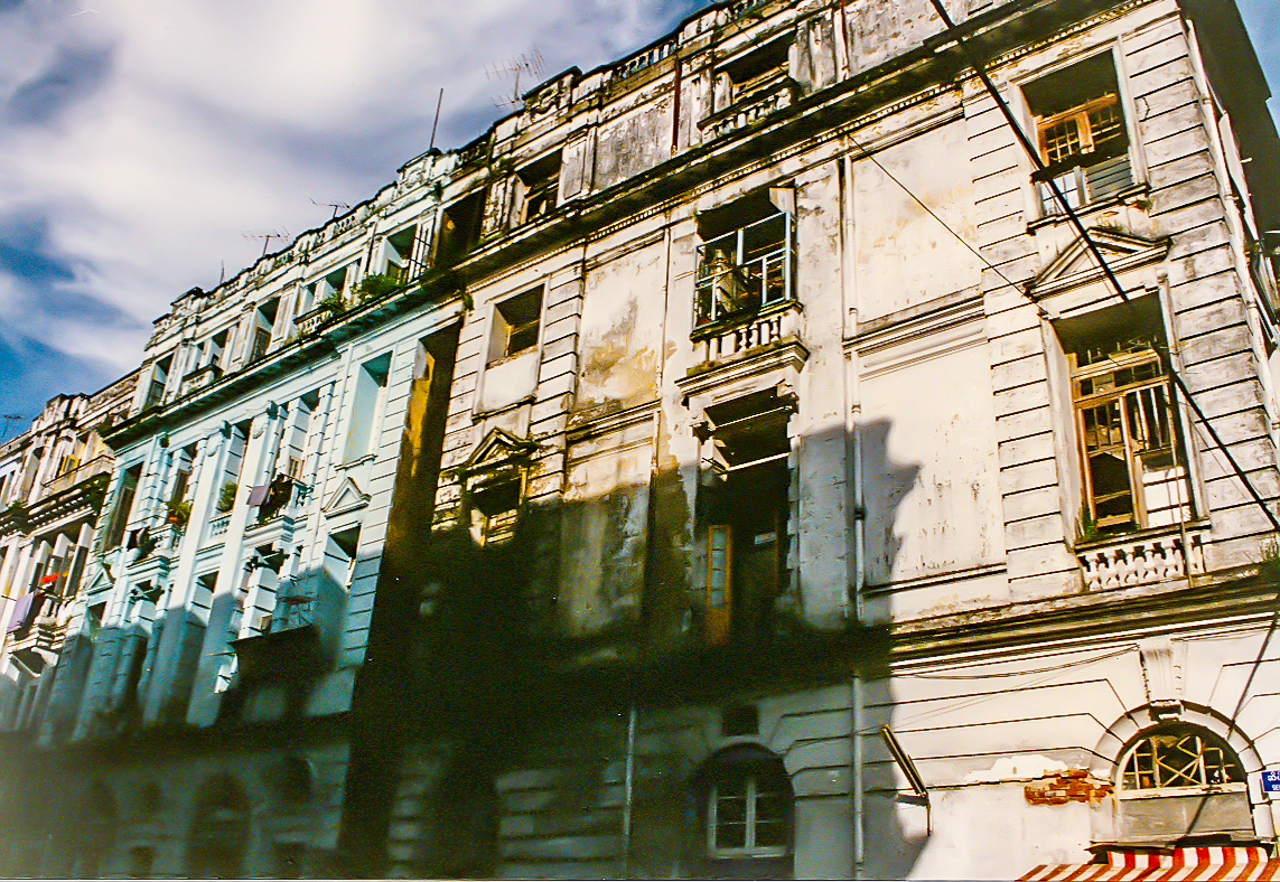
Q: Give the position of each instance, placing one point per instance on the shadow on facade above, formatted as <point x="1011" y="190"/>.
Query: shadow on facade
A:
<point x="526" y="729"/>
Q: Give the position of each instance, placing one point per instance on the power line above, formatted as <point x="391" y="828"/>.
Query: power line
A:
<point x="1034" y="155"/>
<point x="1167" y="362"/>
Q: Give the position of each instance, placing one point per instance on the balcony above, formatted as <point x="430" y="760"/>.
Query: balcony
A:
<point x="100" y="465"/>
<point x="771" y="325"/>
<point x="751" y="108"/>
<point x="200" y="378"/>
<point x="1141" y="560"/>
<point x="311" y="321"/>
<point x="218" y="525"/>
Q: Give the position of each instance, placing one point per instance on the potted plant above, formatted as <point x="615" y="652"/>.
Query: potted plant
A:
<point x="179" y="513"/>
<point x="227" y="496"/>
<point x="333" y="304"/>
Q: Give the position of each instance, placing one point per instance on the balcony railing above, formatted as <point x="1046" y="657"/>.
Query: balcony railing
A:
<point x="769" y="326"/>
<point x="218" y="525"/>
<point x="100" y="465"/>
<point x="744" y="271"/>
<point x="309" y="322"/>
<point x="751" y="108"/>
<point x="1141" y="561"/>
<point x="201" y="377"/>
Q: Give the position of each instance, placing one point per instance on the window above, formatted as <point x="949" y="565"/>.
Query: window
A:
<point x="328" y="287"/>
<point x="757" y="71"/>
<point x="495" y="509"/>
<point x="460" y="228"/>
<point x="536" y="189"/>
<point x="1083" y="140"/>
<point x="744" y="262"/>
<point x="746" y="800"/>
<point x="1179" y="757"/>
<point x="124" y="503"/>
<point x="1177" y="781"/>
<point x="1132" y="475"/>
<point x="515" y="325"/>
<point x="370" y="389"/>
<point x="744" y="510"/>
<point x="159" y="376"/>
<point x="264" y="320"/>
<point x="399" y="252"/>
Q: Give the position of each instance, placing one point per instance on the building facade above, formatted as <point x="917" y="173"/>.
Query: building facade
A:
<point x="745" y="460"/>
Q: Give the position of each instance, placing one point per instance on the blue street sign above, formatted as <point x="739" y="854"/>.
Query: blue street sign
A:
<point x="1271" y="781"/>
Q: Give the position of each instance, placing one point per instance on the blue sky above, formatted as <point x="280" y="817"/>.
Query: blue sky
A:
<point x="143" y="146"/>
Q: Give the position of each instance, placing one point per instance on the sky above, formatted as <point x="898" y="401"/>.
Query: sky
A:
<point x="147" y="146"/>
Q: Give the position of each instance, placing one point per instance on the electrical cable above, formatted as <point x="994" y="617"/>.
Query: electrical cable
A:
<point x="1034" y="155"/>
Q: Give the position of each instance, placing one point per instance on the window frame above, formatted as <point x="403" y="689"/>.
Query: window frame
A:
<point x="1072" y="176"/>
<point x="502" y="330"/>
<point x="1207" y="739"/>
<point x="708" y="310"/>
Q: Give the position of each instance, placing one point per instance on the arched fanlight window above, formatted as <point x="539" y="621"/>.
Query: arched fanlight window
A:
<point x="745" y="802"/>
<point x="1179" y="757"/>
<point x="219" y="831"/>
<point x="96" y="833"/>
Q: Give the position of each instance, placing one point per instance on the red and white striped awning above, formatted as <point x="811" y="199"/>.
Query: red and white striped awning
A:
<point x="1228" y="863"/>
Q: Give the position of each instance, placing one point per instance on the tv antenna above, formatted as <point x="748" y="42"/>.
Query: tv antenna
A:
<point x="515" y="68"/>
<point x="334" y="205"/>
<point x="9" y="420"/>
<point x="266" y="238"/>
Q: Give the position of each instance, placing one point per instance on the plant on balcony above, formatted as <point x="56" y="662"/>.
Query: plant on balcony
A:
<point x="227" y="496"/>
<point x="333" y="304"/>
<point x="376" y="285"/>
<point x="1086" y="528"/>
<point x="1269" y="565"/>
<point x="179" y="513"/>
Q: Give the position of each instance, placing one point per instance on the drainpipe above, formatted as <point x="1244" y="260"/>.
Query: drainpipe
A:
<point x="627" y="785"/>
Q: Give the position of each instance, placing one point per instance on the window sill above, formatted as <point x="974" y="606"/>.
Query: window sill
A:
<point x="1121" y="198"/>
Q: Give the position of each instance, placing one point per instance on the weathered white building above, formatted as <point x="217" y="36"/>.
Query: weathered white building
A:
<point x="52" y="480"/>
<point x="735" y="463"/>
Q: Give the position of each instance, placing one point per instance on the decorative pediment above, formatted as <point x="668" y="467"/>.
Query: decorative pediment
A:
<point x="347" y="498"/>
<point x="498" y="449"/>
<point x="1075" y="265"/>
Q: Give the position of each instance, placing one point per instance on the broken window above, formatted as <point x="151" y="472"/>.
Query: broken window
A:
<point x="495" y="509"/>
<point x="327" y="289"/>
<point x="114" y="534"/>
<point x="264" y="321"/>
<point x="159" y="377"/>
<point x="744" y="262"/>
<point x="536" y="189"/>
<point x="515" y="325"/>
<point x="745" y="516"/>
<point x="399" y="254"/>
<point x="1133" y="477"/>
<point x="1180" y="780"/>
<point x="1179" y="756"/>
<point x="1084" y="142"/>
<point x="460" y="229"/>
<point x="370" y="391"/>
<point x="755" y="73"/>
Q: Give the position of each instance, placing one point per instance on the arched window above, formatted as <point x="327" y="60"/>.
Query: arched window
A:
<point x="97" y="830"/>
<point x="1181" y="784"/>
<point x="1179" y="756"/>
<point x="219" y="831"/>
<point x="465" y="840"/>
<point x="292" y="780"/>
<point x="745" y="803"/>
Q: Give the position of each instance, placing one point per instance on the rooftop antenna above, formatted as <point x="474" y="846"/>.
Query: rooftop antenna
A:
<point x="266" y="238"/>
<point x="9" y="420"/>
<point x="336" y="205"/>
<point x="222" y="272"/>
<point x="436" y="122"/>
<point x="514" y="68"/>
